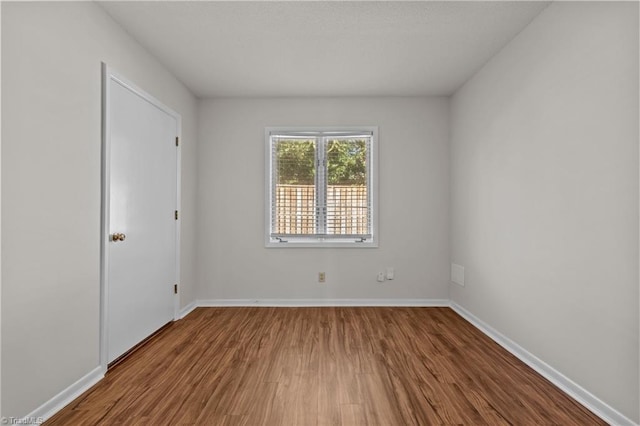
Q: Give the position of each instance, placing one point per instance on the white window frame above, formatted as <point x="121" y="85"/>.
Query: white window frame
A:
<point x="311" y="241"/>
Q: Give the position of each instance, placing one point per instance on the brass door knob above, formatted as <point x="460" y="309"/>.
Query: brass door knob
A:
<point x="118" y="237"/>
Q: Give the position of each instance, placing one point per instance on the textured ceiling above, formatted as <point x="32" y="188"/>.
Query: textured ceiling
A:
<point x="388" y="48"/>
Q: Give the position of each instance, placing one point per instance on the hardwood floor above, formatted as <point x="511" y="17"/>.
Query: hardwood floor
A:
<point x="323" y="366"/>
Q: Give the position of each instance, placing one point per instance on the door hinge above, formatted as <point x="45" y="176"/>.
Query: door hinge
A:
<point x="176" y="215"/>
<point x="175" y="289"/>
<point x="177" y="141"/>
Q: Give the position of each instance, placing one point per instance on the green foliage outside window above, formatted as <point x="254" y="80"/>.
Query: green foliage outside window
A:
<point x="296" y="160"/>
<point x="346" y="162"/>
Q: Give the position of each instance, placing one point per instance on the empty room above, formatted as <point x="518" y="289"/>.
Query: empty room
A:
<point x="320" y="212"/>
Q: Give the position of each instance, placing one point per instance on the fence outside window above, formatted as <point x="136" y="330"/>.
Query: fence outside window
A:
<point x="346" y="211"/>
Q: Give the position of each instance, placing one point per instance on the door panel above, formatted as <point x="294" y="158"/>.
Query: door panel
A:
<point x="143" y="190"/>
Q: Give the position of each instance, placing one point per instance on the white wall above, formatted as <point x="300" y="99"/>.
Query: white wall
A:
<point x="545" y="195"/>
<point x="51" y="98"/>
<point x="0" y="220"/>
<point x="414" y="189"/>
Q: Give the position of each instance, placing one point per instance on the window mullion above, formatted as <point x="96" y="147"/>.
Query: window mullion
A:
<point x="321" y="186"/>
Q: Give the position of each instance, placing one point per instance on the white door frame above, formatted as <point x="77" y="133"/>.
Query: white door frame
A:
<point x="109" y="76"/>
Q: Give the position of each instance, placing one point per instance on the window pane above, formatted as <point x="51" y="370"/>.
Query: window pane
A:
<point x="347" y="196"/>
<point x="294" y="191"/>
<point x="320" y="187"/>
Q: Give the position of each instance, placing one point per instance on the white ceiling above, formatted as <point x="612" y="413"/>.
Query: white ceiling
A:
<point x="302" y="48"/>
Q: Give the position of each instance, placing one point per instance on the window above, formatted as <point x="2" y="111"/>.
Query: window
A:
<point x="320" y="187"/>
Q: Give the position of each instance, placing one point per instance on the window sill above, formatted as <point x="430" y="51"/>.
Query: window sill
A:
<point x="322" y="244"/>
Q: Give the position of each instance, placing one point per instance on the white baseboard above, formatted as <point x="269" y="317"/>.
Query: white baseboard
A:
<point x="568" y="386"/>
<point x="322" y="302"/>
<point x="59" y="401"/>
<point x="187" y="310"/>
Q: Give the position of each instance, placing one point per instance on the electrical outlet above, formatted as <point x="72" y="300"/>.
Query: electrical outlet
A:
<point x="321" y="277"/>
<point x="380" y="277"/>
<point x="390" y="272"/>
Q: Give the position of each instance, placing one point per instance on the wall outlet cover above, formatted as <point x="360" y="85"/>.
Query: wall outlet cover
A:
<point x="457" y="274"/>
<point x="390" y="272"/>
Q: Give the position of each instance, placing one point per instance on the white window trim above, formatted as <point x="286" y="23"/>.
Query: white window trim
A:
<point x="316" y="242"/>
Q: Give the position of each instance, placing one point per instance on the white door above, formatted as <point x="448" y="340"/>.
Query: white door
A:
<point x="140" y="270"/>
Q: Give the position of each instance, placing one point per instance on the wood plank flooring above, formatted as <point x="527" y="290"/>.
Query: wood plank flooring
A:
<point x="323" y="366"/>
